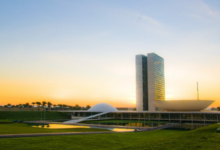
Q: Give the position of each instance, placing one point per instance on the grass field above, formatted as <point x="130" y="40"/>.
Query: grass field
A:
<point x="199" y="139"/>
<point x="20" y="128"/>
<point x="31" y="115"/>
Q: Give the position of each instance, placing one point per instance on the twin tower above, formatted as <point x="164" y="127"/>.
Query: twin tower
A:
<point x="150" y="84"/>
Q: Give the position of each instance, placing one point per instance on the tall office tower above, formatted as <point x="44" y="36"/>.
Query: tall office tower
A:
<point x="150" y="84"/>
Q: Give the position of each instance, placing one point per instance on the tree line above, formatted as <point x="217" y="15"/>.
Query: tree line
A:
<point x="45" y="104"/>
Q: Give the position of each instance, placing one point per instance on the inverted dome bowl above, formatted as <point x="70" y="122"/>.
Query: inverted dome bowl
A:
<point x="183" y="105"/>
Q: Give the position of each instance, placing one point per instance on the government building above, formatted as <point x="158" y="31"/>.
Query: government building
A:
<point x="150" y="92"/>
<point x="150" y="84"/>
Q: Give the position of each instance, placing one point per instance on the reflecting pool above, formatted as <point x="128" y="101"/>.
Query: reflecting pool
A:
<point x="132" y="124"/>
<point x="57" y="126"/>
<point x="61" y="126"/>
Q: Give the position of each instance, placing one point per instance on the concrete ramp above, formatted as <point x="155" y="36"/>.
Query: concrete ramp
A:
<point x="86" y="118"/>
<point x="159" y="127"/>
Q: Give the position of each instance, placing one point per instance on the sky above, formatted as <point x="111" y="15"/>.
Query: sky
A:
<point x="83" y="52"/>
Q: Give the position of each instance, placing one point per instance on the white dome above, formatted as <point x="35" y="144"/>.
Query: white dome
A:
<point x="103" y="107"/>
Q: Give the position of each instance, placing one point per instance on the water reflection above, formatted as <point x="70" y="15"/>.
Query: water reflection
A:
<point x="122" y="130"/>
<point x="133" y="124"/>
<point x="61" y="126"/>
<point x="58" y="126"/>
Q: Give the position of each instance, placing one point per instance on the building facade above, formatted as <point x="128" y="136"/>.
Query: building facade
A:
<point x="150" y="83"/>
<point x="172" y="116"/>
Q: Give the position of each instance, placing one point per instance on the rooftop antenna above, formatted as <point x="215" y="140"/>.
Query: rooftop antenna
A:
<point x="197" y="91"/>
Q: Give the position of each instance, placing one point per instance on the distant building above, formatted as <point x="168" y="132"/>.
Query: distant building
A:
<point x="150" y="84"/>
<point x="126" y="108"/>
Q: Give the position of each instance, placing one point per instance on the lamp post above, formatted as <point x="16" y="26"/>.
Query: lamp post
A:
<point x="41" y="115"/>
<point x="44" y="112"/>
<point x="197" y="91"/>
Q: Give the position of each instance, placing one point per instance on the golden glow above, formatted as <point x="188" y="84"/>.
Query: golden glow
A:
<point x="135" y="124"/>
<point x="16" y="92"/>
<point x="122" y="130"/>
<point x="84" y="91"/>
<point x="71" y="58"/>
<point x="59" y="126"/>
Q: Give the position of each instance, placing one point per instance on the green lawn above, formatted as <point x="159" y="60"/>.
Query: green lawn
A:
<point x="5" y="120"/>
<point x="31" y="115"/>
<point x="20" y="128"/>
<point x="199" y="139"/>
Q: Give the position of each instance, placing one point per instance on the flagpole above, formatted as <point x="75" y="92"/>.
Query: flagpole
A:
<point x="197" y="91"/>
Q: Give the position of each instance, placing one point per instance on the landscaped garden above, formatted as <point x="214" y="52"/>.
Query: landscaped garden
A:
<point x="202" y="138"/>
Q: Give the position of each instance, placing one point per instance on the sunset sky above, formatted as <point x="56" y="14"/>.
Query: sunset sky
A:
<point x="83" y="52"/>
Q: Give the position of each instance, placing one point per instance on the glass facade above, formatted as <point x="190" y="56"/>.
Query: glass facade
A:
<point x="145" y="83"/>
<point x="150" y="82"/>
<point x="159" y="78"/>
<point x="160" y="116"/>
<point x="141" y="83"/>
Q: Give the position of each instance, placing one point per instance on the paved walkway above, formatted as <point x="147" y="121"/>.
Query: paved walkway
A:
<point x="85" y="118"/>
<point x="52" y="134"/>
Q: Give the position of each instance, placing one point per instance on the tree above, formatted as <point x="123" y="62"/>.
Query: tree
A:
<point x="77" y="107"/>
<point x="218" y="108"/>
<point x="70" y="107"/>
<point x="44" y="103"/>
<point x="64" y="106"/>
<point x="38" y="104"/>
<point x="87" y="107"/>
<point x="60" y="105"/>
<point x="26" y="105"/>
<point x="33" y="103"/>
<point x="49" y="104"/>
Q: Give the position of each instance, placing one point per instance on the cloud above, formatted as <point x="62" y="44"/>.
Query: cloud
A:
<point x="200" y="10"/>
<point x="208" y="10"/>
<point x="149" y="24"/>
<point x="93" y="36"/>
<point x="148" y="19"/>
<point x="195" y="16"/>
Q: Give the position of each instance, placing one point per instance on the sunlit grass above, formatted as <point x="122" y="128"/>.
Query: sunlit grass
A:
<point x="199" y="139"/>
<point x="20" y="128"/>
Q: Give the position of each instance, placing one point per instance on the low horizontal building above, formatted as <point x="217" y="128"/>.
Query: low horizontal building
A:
<point x="156" y="116"/>
<point x="111" y="113"/>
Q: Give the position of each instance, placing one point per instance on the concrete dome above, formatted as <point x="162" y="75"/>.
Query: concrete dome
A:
<point x="103" y="107"/>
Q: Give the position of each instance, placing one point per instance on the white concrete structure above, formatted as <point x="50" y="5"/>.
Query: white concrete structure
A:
<point x="184" y="105"/>
<point x="86" y="118"/>
<point x="103" y="107"/>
